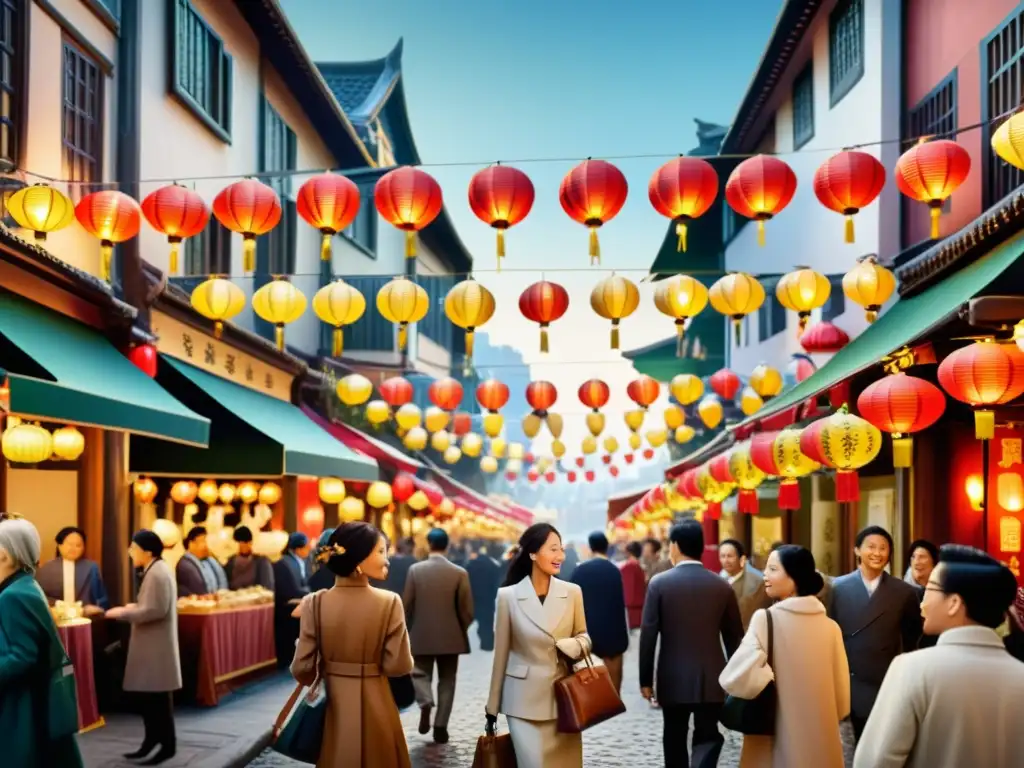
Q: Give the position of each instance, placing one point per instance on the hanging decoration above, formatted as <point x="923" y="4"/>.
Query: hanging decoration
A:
<point x="416" y="439"/>
<point x="686" y="388"/>
<point x="541" y="395"/>
<point x="68" y="443"/>
<point x="469" y="306"/>
<point x="445" y="393"/>
<point x="748" y="477"/>
<point x="759" y="188"/>
<point x="712" y="491"/>
<point x="40" y="209"/>
<point x="472" y="445"/>
<point x="145" y="490"/>
<point x="408" y="416"/>
<point x="280" y="303"/>
<point x="901" y="405"/>
<point x="338" y="304"/>
<point x="762" y="454"/>
<point x="440" y="441"/>
<point x="209" y="492"/>
<point x="462" y="423"/>
<point x="593" y="193"/>
<point x="402" y="302"/>
<point x="144" y="357"/>
<point x="435" y="419"/>
<point x="848" y="443"/>
<point x="791" y="464"/>
<point x="725" y="383"/>
<point x="379" y="495"/>
<point x="328" y="202"/>
<point x="674" y="416"/>
<point x="983" y="374"/>
<point x="396" y="391"/>
<point x="801" y="367"/>
<point x="847" y="183"/>
<point x="331" y="490"/>
<point x="489" y="464"/>
<point x="111" y="217"/>
<point x="682" y="298"/>
<point x="683" y="189"/>
<point x="178" y="213"/>
<point x="377" y="412"/>
<point x="26" y="443"/>
<point x="750" y="401"/>
<point x="543" y="303"/>
<point x="824" y="338"/>
<point x="492" y="396"/>
<point x="501" y="196"/>
<point x="710" y="411"/>
<point x="270" y="494"/>
<point x="249" y="208"/>
<point x="766" y="381"/>
<point x="635" y="441"/>
<point x="869" y="285"/>
<point x="589" y="445"/>
<point x="219" y="300"/>
<point x="736" y="295"/>
<point x="684" y="434"/>
<point x="354" y="390"/>
<point x="184" y="492"/>
<point x="615" y="298"/>
<point x="657" y="437"/>
<point x="643" y="391"/>
<point x="803" y="291"/>
<point x="408" y="199"/>
<point x="930" y="172"/>
<point x="594" y="394"/>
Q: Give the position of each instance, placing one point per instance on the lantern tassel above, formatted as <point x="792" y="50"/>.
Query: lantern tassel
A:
<point x="715" y="510"/>
<point x="849" y="228"/>
<point x="802" y="325"/>
<point x="789" y="494"/>
<point x="595" y="247"/>
<point x="760" y="232"/>
<point x="337" y="342"/>
<point x="501" y="245"/>
<point x="936" y="212"/>
<point x="279" y="336"/>
<point x="680" y="335"/>
<point x="469" y="343"/>
<point x="902" y="451"/>
<point x="615" y="335"/>
<point x="403" y="335"/>
<point x="544" y="339"/>
<point x="747" y="503"/>
<point x="410" y="244"/>
<point x="175" y="250"/>
<point x="681" y="232"/>
<point x="325" y="247"/>
<point x="248" y="253"/>
<point x="737" y="324"/>
<point x="871" y="315"/>
<point x="984" y="425"/>
<point x="847" y="486"/>
<point x="106" y="257"/>
<point x="218" y="329"/>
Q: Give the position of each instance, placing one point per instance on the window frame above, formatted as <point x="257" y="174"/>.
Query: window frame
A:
<point x="82" y="185"/>
<point x="18" y="97"/>
<point x="215" y="246"/>
<point x="368" y="209"/>
<point x="842" y="84"/>
<point x="989" y="126"/>
<point x="914" y="128"/>
<point x="224" y="77"/>
<point x="803" y="80"/>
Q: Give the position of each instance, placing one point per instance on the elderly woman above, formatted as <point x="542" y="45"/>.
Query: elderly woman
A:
<point x="153" y="671"/>
<point x="30" y="655"/>
<point x="71" y="577"/>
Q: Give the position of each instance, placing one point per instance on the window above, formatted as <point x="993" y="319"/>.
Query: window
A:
<point x="200" y="69"/>
<point x="771" y="317"/>
<point x="82" y="123"/>
<point x="845" y="48"/>
<point x="1002" y="67"/>
<point x="803" y="106"/>
<point x="371" y="332"/>
<point x="436" y="326"/>
<point x="934" y="115"/>
<point x="363" y="231"/>
<point x="836" y="304"/>
<point x="209" y="252"/>
<point x="12" y="81"/>
<point x="279" y="154"/>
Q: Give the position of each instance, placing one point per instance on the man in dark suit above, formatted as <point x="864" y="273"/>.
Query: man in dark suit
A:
<point x="438" y="610"/>
<point x="572" y="559"/>
<point x="747" y="583"/>
<point x="604" y="604"/>
<point x="880" y="617"/>
<point x="291" y="584"/>
<point x="485" y="576"/>
<point x="695" y="613"/>
<point x="398" y="572"/>
<point x="197" y="572"/>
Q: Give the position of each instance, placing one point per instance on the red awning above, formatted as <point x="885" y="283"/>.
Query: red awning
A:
<point x="618" y="505"/>
<point x="365" y="444"/>
<point x="433" y="491"/>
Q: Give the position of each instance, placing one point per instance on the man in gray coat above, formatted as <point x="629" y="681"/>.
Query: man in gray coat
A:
<point x="695" y="613"/>
<point x="747" y="583"/>
<point x="438" y="611"/>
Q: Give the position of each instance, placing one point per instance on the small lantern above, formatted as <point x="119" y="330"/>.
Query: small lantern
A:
<point x="208" y="492"/>
<point x="402" y="302"/>
<point x="184" y="492"/>
<point x="331" y="490"/>
<point x="280" y="303"/>
<point x="379" y="495"/>
<point x="68" y="443"/>
<point x="145" y="490"/>
<point x="338" y="304"/>
<point x="270" y="494"/>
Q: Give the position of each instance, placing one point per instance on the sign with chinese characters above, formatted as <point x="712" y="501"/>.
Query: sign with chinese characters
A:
<point x="1011" y="452"/>
<point x="1009" y="534"/>
<point x="185" y="343"/>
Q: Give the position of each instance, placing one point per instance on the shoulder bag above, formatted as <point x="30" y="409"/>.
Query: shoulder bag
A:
<point x="586" y="698"/>
<point x="755" y="717"/>
<point x="302" y="736"/>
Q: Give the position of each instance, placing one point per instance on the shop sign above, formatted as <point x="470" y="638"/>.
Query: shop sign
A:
<point x="193" y="346"/>
<point x="1009" y="534"/>
<point x="1011" y="452"/>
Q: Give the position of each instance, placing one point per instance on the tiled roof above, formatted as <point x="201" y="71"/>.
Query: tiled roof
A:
<point x="361" y="87"/>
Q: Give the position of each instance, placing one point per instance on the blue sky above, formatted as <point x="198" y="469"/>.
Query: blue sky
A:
<point x="513" y="81"/>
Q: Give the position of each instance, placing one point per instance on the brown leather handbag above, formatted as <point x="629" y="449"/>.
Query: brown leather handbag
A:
<point x="586" y="698"/>
<point x="494" y="751"/>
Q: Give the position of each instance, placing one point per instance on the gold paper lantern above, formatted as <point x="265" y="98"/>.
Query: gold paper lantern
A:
<point x="270" y="494"/>
<point x="736" y="295"/>
<point x="674" y="417"/>
<point x="748" y="477"/>
<point x="531" y="424"/>
<point x="446" y="508"/>
<point x="226" y="493"/>
<point x="686" y="388"/>
<point x="452" y="455"/>
<point x="611" y="445"/>
<point x="248" y="492"/>
<point x="848" y="443"/>
<point x="589" y="445"/>
<point x="557" y="448"/>
<point x="435" y="419"/>
<point x="469" y="306"/>
<point x="516" y="451"/>
<point x="338" y="304"/>
<point x="351" y="510"/>
<point x="331" y="490"/>
<point x="209" y="492"/>
<point x="379" y="495"/>
<point x="418" y="501"/>
<point x="710" y="411"/>
<point x="489" y="464"/>
<point x="750" y="401"/>
<point x="803" y="291"/>
<point x="789" y="459"/>
<point x="145" y="490"/>
<point x="68" y="443"/>
<point x="440" y="441"/>
<point x="184" y="492"/>
<point x="354" y="389"/>
<point x="498" y="448"/>
<point x="377" y="412"/>
<point x="472" y="444"/>
<point x="635" y="419"/>
<point x="682" y="298"/>
<point x="219" y="300"/>
<point x="656" y="437"/>
<point x="869" y="285"/>
<point x="766" y="381"/>
<point x="280" y="303"/>
<point x="408" y="416"/>
<point x="1007" y="141"/>
<point x="615" y="298"/>
<point x="635" y="441"/>
<point x="41" y="209"/>
<point x="685" y="434"/>
<point x="416" y="439"/>
<point x="402" y="302"/>
<point x="595" y="422"/>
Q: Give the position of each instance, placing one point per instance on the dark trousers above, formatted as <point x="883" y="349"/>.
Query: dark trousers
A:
<point x="485" y="630"/>
<point x="423" y="679"/>
<point x="157" y="710"/>
<point x="707" y="739"/>
<point x="858" y="724"/>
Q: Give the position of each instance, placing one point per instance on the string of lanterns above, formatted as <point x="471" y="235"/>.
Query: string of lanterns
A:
<point x="26" y="442"/>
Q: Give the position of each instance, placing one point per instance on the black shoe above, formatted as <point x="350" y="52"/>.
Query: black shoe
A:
<point x="142" y="751"/>
<point x="424" y="720"/>
<point x="165" y="753"/>
<point x="441" y="735"/>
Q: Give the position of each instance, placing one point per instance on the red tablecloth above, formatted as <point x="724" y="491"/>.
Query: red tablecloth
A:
<point x="77" y="639"/>
<point x="226" y="645"/>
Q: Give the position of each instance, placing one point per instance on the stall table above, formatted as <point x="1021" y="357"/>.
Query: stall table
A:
<point x="76" y="634"/>
<point x="222" y="645"/>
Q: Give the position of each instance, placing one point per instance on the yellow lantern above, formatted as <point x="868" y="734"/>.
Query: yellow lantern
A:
<point x="184" y="492"/>
<point x="270" y="494"/>
<point x="338" y="304"/>
<point x="531" y="424"/>
<point x="41" y="209"/>
<point x="331" y="490"/>
<point x="736" y="295"/>
<point x="408" y="416"/>
<point x="68" y="443"/>
<point x="415" y="439"/>
<point x="611" y="445"/>
<point x="656" y="437"/>
<point x="710" y="411"/>
<point x="446" y="508"/>
<point x="588" y="446"/>
<point x="803" y="291"/>
<point x="848" y="443"/>
<point x="226" y="493"/>
<point x="145" y="490"/>
<point x="219" y="300"/>
<point x="493" y="423"/>
<point x="489" y="464"/>
<point x="635" y="441"/>
<point x="1007" y="142"/>
<point x="402" y="302"/>
<point x="615" y="298"/>
<point x="685" y="434"/>
<point x="686" y="388"/>
<point x="472" y="444"/>
<point x="635" y="419"/>
<point x="869" y="285"/>
<point x="435" y="419"/>
<point x="516" y="451"/>
<point x="766" y="381"/>
<point x="469" y="306"/>
<point x="682" y="298"/>
<point x="351" y="510"/>
<point x="748" y="478"/>
<point x="750" y="401"/>
<point x="674" y="417"/>
<point x="208" y="492"/>
<point x="558" y="448"/>
<point x="440" y="441"/>
<point x="279" y="302"/>
<point x="377" y="412"/>
<point x="418" y="501"/>
<point x="248" y="492"/>
<point x="378" y="495"/>
<point x="595" y="422"/>
<point x="452" y="455"/>
<point x="498" y="448"/>
<point x="354" y="389"/>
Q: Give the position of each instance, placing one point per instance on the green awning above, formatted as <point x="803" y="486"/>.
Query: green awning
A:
<point x="252" y="434"/>
<point x="60" y="370"/>
<point x="906" y="322"/>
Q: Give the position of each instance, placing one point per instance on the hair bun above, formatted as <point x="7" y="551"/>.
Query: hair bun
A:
<point x="815" y="583"/>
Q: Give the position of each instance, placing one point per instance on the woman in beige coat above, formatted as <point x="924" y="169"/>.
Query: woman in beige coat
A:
<point x="810" y="670"/>
<point x="363" y="642"/>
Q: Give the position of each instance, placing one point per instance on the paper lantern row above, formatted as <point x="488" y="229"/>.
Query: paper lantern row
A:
<point x="29" y="443"/>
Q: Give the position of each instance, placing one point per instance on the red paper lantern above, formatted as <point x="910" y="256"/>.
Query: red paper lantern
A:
<point x="593" y="193"/>
<point x="759" y="188"/>
<point x="528" y="458"/>
<point x="580" y="462"/>
<point x="613" y="471"/>
<point x="501" y="196"/>
<point x="462" y="423"/>
<point x="643" y="390"/>
<point x="688" y="484"/>
<point x="983" y="374"/>
<point x="810" y="442"/>
<point x="144" y="357"/>
<point x="824" y="338"/>
<point x="762" y="452"/>
<point x="403" y="487"/>
<point x="544" y="302"/>
<point x="445" y="393"/>
<point x="901" y="405"/>
<point x="683" y="190"/>
<point x="571" y="476"/>
<point x="590" y="475"/>
<point x="550" y="477"/>
<point x="330" y="203"/>
<point x="541" y="395"/>
<point x="511" y="476"/>
<point x="930" y="172"/>
<point x="408" y="199"/>
<point x="657" y="495"/>
<point x="492" y="394"/>
<point x="594" y="394"/>
<point x="802" y="367"/>
<point x="176" y="212"/>
<point x="607" y="458"/>
<point x="433" y="493"/>
<point x="111" y="217"/>
<point x="725" y="383"/>
<point x="718" y="468"/>
<point x="648" y="453"/>
<point x="396" y="391"/>
<point x="848" y="182"/>
<point x="249" y="208"/>
<point x="533" y="475"/>
<point x="627" y="457"/>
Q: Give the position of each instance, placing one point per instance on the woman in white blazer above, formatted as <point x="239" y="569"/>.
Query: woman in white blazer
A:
<point x="537" y="616"/>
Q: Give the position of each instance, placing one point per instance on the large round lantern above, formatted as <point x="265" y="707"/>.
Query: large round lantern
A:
<point x="541" y="395"/>
<point x="249" y="208"/>
<point x="402" y="487"/>
<point x="26" y="443"/>
<point x="488" y="465"/>
<point x="338" y="304"/>
<point x="462" y="423"/>
<point x="379" y="495"/>
<point x="762" y="452"/>
<point x="492" y="395"/>
<point x="930" y="172"/>
<point x="983" y="374"/>
<point x="848" y="182"/>
<point x="270" y="494"/>
<point x="684" y="434"/>
<point x="686" y="388"/>
<point x="331" y="490"/>
<point x="824" y="338"/>
<point x="674" y="416"/>
<point x="408" y="416"/>
<point x="279" y="302"/>
<point x="725" y="383"/>
<point x="766" y="381"/>
<point x="593" y="193"/>
<point x="469" y="305"/>
<point x="219" y="300"/>
<point x="330" y="203"/>
<point x="791" y="464"/>
<point x="416" y="439"/>
<point x="803" y="291"/>
<point x="710" y="411"/>
<point x="615" y="298"/>
<point x="178" y="213"/>
<point x="736" y="295"/>
<point x="396" y="391"/>
<point x="472" y="445"/>
<point x="445" y="393"/>
<point x="543" y="303"/>
<point x="402" y="302"/>
<point x="849" y="443"/>
<point x="144" y="357"/>
<point x="748" y="477"/>
<point x="683" y="189"/>
<point x="1008" y="140"/>
<point x="643" y="390"/>
<point x="682" y="298"/>
<point x="435" y="419"/>
<point x="209" y="493"/>
<point x="719" y="468"/>
<point x="354" y="389"/>
<point x="111" y="217"/>
<point x="185" y="491"/>
<point x="408" y="199"/>
<point x="750" y="401"/>
<point x="500" y="196"/>
<point x="377" y="412"/>
<point x="68" y="443"/>
<point x="869" y="285"/>
<point x="901" y="405"/>
<point x="41" y="209"/>
<point x="145" y="490"/>
<point x="760" y="188"/>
